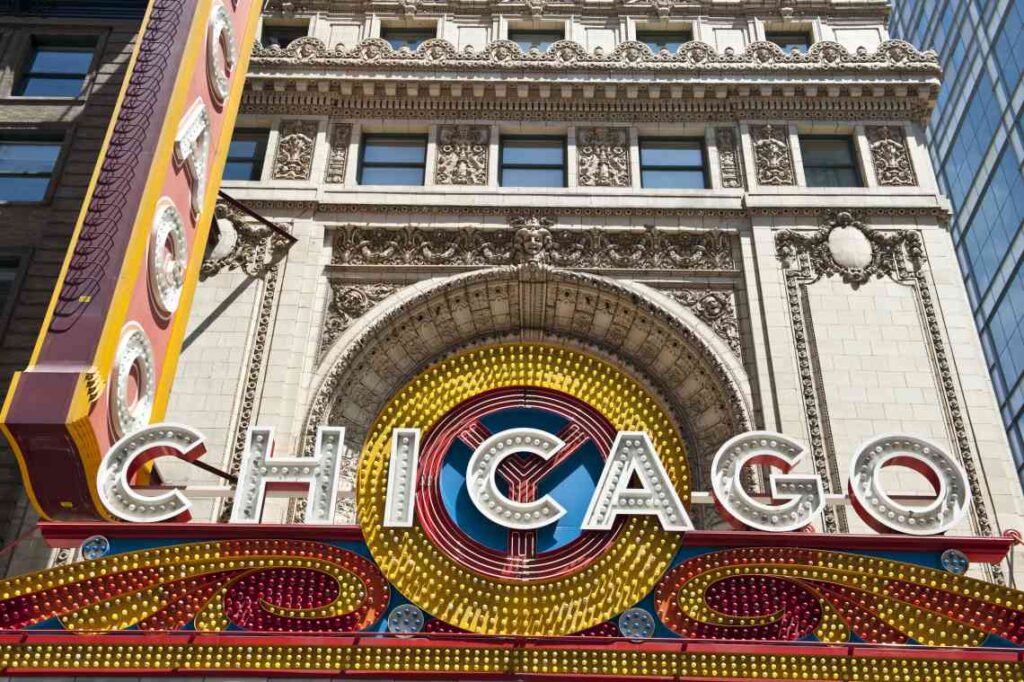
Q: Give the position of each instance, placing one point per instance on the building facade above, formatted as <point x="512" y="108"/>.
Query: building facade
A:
<point x="975" y="142"/>
<point x="498" y="301"/>
<point x="61" y="68"/>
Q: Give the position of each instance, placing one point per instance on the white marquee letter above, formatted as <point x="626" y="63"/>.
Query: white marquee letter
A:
<point x="633" y="453"/>
<point x="113" y="479"/>
<point x="400" y="503"/>
<point x="945" y="474"/>
<point x="221" y="52"/>
<point x="483" y="490"/>
<point x="804" y="494"/>
<point x="260" y="471"/>
<point x="192" y="148"/>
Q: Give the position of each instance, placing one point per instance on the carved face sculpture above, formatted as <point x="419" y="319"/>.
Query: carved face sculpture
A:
<point x="531" y="241"/>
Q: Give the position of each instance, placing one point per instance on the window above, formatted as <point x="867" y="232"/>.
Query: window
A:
<point x="246" y="153"/>
<point x="407" y="37"/>
<point x="10" y="268"/>
<point x="282" y="35"/>
<point x="26" y="166"/>
<point x="789" y="40"/>
<point x="534" y="161"/>
<point x="542" y="40"/>
<point x="393" y="159"/>
<point x="664" y="40"/>
<point x="56" y="67"/>
<point x="830" y="161"/>
<point x="672" y="163"/>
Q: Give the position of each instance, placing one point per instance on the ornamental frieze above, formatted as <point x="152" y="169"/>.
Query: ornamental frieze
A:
<point x="240" y="244"/>
<point x="603" y="157"/>
<point x="294" y="158"/>
<point x="696" y="57"/>
<point x="462" y="154"/>
<point x="536" y="239"/>
<point x="890" y="156"/>
<point x="773" y="158"/>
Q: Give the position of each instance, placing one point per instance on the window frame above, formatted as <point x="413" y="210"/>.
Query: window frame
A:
<point x="58" y="137"/>
<point x="806" y="34"/>
<point x="855" y="160"/>
<point x="388" y="164"/>
<point x="551" y="32"/>
<point x="564" y="167"/>
<point x="22" y="257"/>
<point x="73" y="41"/>
<point x="286" y="27"/>
<point x="704" y="167"/>
<point x="261" y="159"/>
<point x="642" y="33"/>
<point x="430" y="31"/>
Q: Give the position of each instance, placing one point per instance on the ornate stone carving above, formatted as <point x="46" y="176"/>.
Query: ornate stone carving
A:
<point x="337" y="156"/>
<point x="890" y="156"/>
<point x="348" y="302"/>
<point x="241" y="244"/>
<point x="603" y="157"/>
<point x="773" y="158"/>
<point x="535" y="239"/>
<point x="294" y="158"/>
<point x="846" y="246"/>
<point x="836" y="249"/>
<point x="758" y="57"/>
<point x="462" y="155"/>
<point x="715" y="308"/>
<point x="730" y="164"/>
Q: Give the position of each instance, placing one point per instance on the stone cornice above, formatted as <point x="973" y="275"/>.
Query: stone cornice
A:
<point x="662" y="9"/>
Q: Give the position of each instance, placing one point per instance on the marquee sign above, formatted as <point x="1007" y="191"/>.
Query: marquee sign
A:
<point x="105" y="359"/>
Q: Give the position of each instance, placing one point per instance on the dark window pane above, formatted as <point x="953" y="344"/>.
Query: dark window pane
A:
<point x="667" y="40"/>
<point x="672" y="179"/>
<point x="282" y="36"/>
<point x="671" y="153"/>
<point x="391" y="176"/>
<point x="532" y="177"/>
<point x="533" y="151"/>
<point x="829" y="162"/>
<point x="22" y="188"/>
<point x="406" y="37"/>
<point x="789" y="40"/>
<point x="240" y="170"/>
<point x="28" y="157"/>
<point x="826" y="152"/>
<point x="394" y="150"/>
<point x="38" y="86"/>
<point x="58" y="60"/>
<point x="246" y="153"/>
<point x="541" y="40"/>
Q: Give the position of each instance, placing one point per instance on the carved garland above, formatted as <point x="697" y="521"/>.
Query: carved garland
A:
<point x="537" y="240"/>
<point x="899" y="255"/>
<point x="603" y="157"/>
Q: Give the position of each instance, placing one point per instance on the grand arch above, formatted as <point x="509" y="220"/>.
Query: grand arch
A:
<point x="655" y="339"/>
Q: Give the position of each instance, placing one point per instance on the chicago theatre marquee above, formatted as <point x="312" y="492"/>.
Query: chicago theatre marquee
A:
<point x="511" y="340"/>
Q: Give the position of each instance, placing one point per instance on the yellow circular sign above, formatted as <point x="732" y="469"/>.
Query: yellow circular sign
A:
<point x="623" y="570"/>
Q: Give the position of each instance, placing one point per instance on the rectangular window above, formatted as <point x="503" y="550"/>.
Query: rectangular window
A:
<point x="10" y="267"/>
<point x="26" y="166"/>
<point x="542" y="40"/>
<point x="672" y="163"/>
<point x="282" y="35"/>
<point x="830" y="161"/>
<point x="407" y="37"/>
<point x="387" y="159"/>
<point x="789" y="40"/>
<point x="532" y="161"/>
<point x="246" y="153"/>
<point x="664" y="40"/>
<point x="56" y="67"/>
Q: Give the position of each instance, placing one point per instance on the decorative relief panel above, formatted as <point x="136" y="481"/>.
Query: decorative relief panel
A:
<point x="348" y="302"/>
<point x="773" y="159"/>
<point x="294" y="158"/>
<point x="603" y="157"/>
<point x="890" y="156"/>
<point x="337" y="155"/>
<point x="717" y="309"/>
<point x="536" y="239"/>
<point x="462" y="154"/>
<point x="242" y="244"/>
<point x="730" y="165"/>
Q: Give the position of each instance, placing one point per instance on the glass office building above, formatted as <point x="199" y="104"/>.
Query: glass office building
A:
<point x="976" y="139"/>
